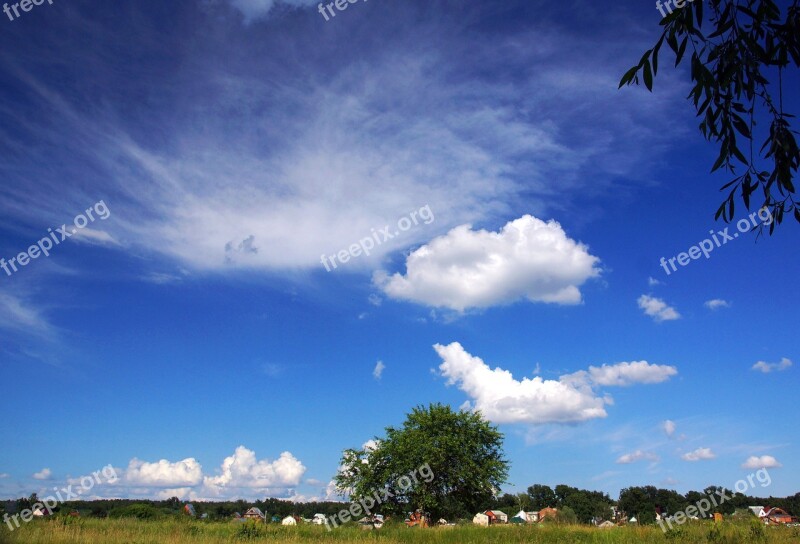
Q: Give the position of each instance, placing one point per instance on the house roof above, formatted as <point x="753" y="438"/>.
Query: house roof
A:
<point x="254" y="511"/>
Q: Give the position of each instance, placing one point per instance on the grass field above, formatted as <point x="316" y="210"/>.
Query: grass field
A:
<point x="129" y="531"/>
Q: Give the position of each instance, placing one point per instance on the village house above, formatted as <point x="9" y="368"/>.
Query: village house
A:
<point x="496" y="516"/>
<point x="256" y="514"/>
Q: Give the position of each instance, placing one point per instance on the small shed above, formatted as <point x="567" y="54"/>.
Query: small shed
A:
<point x="481" y="519"/>
<point x="289" y="520"/>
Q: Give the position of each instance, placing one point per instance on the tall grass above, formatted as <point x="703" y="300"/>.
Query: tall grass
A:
<point x="177" y="531"/>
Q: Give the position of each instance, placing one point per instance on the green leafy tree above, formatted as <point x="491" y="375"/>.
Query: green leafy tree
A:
<point x="542" y="496"/>
<point x="460" y="451"/>
<point x="744" y="44"/>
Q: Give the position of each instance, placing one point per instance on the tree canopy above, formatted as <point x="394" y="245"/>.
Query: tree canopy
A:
<point x="462" y="451"/>
<point x="735" y="61"/>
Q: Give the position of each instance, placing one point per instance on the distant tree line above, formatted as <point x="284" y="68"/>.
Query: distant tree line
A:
<point x="149" y="509"/>
<point x="641" y="502"/>
<point x="575" y="505"/>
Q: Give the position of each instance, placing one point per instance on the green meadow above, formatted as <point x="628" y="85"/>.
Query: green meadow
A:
<point x="131" y="531"/>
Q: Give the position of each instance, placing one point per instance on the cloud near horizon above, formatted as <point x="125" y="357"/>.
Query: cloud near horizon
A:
<point x="241" y="475"/>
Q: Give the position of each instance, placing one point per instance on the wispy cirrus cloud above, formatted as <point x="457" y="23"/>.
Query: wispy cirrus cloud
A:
<point x="361" y="139"/>
<point x="636" y="456"/>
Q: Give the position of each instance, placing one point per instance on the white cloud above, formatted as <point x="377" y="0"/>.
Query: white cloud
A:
<point x="638" y="455"/>
<point x="766" y="368"/>
<point x="164" y="473"/>
<point x="44" y="474"/>
<point x="669" y="427"/>
<point x="20" y="315"/>
<point x="356" y="150"/>
<point x="4" y="475"/>
<point x="93" y="236"/>
<point x="378" y="371"/>
<point x="652" y="282"/>
<point x="624" y="374"/>
<point x="240" y="476"/>
<point x="765" y="461"/>
<point x="502" y="399"/>
<point x="700" y="454"/>
<point x="657" y="308"/>
<point x="528" y="259"/>
<point x="243" y="470"/>
<point x="253" y="10"/>
<point x="717" y="303"/>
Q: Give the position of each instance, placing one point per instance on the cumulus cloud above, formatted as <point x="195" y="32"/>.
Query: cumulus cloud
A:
<point x="164" y="473"/>
<point x="765" y="461"/>
<point x="766" y="368"/>
<point x="378" y="371"/>
<point x="717" y="303"/>
<point x="637" y="455"/>
<point x="44" y="474"/>
<point x="528" y="259"/>
<point x="244" y="470"/>
<point x="700" y="454"/>
<point x="503" y="399"/>
<point x="657" y="309"/>
<point x="669" y="427"/>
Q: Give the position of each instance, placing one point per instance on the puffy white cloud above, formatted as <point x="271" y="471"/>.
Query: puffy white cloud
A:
<point x="766" y="368"/>
<point x="657" y="309"/>
<point x="164" y="473"/>
<point x="244" y="470"/>
<point x="637" y="455"/>
<point x="700" y="454"/>
<point x="717" y="303"/>
<point x="765" y="461"/>
<point x="503" y="399"/>
<point x="378" y="370"/>
<point x="44" y="474"/>
<point x="669" y="427"/>
<point x="528" y="259"/>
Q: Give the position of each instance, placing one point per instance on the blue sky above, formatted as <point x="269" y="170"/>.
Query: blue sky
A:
<point x="190" y="336"/>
